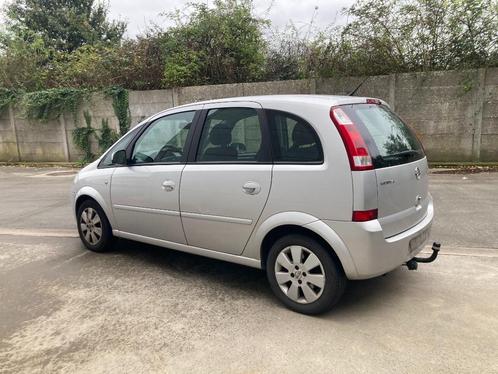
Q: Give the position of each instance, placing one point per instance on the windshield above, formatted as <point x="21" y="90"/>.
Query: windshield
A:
<point x="389" y="140"/>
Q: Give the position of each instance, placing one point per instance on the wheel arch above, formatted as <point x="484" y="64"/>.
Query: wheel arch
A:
<point x="301" y="223"/>
<point x="89" y="193"/>
<point x="281" y="231"/>
<point x="80" y="201"/>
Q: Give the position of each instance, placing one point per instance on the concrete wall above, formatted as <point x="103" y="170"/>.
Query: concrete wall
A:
<point x="454" y="113"/>
<point x="8" y="142"/>
<point x="488" y="132"/>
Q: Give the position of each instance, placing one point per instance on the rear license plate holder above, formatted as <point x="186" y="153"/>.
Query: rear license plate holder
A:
<point x="419" y="240"/>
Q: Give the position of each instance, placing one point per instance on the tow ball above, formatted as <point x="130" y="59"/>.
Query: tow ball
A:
<point x="413" y="263"/>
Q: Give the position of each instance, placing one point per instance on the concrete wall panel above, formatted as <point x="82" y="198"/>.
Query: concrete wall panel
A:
<point x="143" y="104"/>
<point x="277" y="88"/>
<point x="454" y="113"/>
<point x="187" y="95"/>
<point x="489" y="147"/>
<point x="377" y="86"/>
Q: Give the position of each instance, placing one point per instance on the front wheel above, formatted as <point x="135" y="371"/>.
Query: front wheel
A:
<point x="304" y="275"/>
<point x="93" y="227"/>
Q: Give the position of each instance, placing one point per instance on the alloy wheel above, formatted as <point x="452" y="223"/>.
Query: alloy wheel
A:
<point x="91" y="225"/>
<point x="299" y="274"/>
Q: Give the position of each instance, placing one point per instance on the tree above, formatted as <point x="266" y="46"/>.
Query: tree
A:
<point x="65" y="25"/>
<point x="71" y="43"/>
<point x="223" y="44"/>
<point x="141" y="62"/>
<point x="286" y="56"/>
<point x="474" y="36"/>
<point x="397" y="35"/>
<point x="21" y="58"/>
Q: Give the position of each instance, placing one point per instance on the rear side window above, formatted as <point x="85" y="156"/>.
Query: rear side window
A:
<point x="293" y="139"/>
<point x="231" y="135"/>
<point x="389" y="140"/>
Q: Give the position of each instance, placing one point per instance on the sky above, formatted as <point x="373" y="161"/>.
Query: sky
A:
<point x="142" y="13"/>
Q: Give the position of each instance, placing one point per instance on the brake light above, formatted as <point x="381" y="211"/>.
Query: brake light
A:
<point x="364" y="215"/>
<point x="356" y="148"/>
<point x="374" y="101"/>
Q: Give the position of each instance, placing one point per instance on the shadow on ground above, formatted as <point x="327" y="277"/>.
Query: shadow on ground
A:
<point x="359" y="295"/>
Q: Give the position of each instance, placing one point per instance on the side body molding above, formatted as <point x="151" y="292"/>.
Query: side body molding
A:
<point x="253" y="246"/>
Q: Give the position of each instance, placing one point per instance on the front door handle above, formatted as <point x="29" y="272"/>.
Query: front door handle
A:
<point x="168" y="186"/>
<point x="251" y="188"/>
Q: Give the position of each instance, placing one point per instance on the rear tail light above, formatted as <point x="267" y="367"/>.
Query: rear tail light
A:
<point x="359" y="157"/>
<point x="364" y="215"/>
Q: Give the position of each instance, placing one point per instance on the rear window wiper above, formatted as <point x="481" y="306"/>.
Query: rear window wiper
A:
<point x="402" y="154"/>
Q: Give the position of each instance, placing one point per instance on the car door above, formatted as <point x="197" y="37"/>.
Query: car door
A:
<point x="226" y="183"/>
<point x="145" y="193"/>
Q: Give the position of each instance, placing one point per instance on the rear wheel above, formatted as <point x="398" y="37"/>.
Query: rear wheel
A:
<point x="304" y="275"/>
<point x="93" y="227"/>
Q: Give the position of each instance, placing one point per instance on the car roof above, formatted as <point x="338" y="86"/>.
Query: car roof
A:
<point x="326" y="100"/>
<point x="312" y="99"/>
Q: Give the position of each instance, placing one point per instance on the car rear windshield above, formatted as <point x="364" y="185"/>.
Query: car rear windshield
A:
<point x="389" y="140"/>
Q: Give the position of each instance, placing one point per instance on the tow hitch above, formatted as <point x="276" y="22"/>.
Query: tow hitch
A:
<point x="413" y="263"/>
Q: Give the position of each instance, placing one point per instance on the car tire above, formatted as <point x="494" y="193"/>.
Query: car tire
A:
<point x="93" y="227"/>
<point x="304" y="275"/>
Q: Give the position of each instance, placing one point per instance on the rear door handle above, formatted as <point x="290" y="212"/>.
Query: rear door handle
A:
<point x="168" y="186"/>
<point x="251" y="188"/>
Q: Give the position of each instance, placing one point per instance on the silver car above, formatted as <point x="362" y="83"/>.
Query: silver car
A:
<point x="315" y="190"/>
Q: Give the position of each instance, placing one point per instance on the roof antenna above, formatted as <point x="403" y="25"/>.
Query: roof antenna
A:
<point x="357" y="88"/>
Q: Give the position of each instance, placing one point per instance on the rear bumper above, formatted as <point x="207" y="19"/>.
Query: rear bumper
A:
<point x="374" y="255"/>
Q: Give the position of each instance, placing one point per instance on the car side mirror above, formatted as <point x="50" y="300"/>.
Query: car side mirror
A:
<point x="119" y="157"/>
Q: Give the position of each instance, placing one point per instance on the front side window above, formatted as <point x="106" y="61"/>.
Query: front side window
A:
<point x="118" y="146"/>
<point x="231" y="135"/>
<point x="164" y="140"/>
<point x="293" y="139"/>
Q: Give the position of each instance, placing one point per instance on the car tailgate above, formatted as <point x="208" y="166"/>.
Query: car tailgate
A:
<point x="403" y="198"/>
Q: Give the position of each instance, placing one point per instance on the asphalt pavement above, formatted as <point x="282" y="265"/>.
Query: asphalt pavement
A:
<point x="144" y="309"/>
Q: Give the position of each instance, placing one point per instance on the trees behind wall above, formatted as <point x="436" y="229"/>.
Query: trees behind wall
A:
<point x="55" y="53"/>
<point x="73" y="43"/>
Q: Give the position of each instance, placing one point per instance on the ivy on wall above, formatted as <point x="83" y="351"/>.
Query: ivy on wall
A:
<point x="121" y="106"/>
<point x="50" y="104"/>
<point x="82" y="138"/>
<point x="7" y="97"/>
<point x="107" y="136"/>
